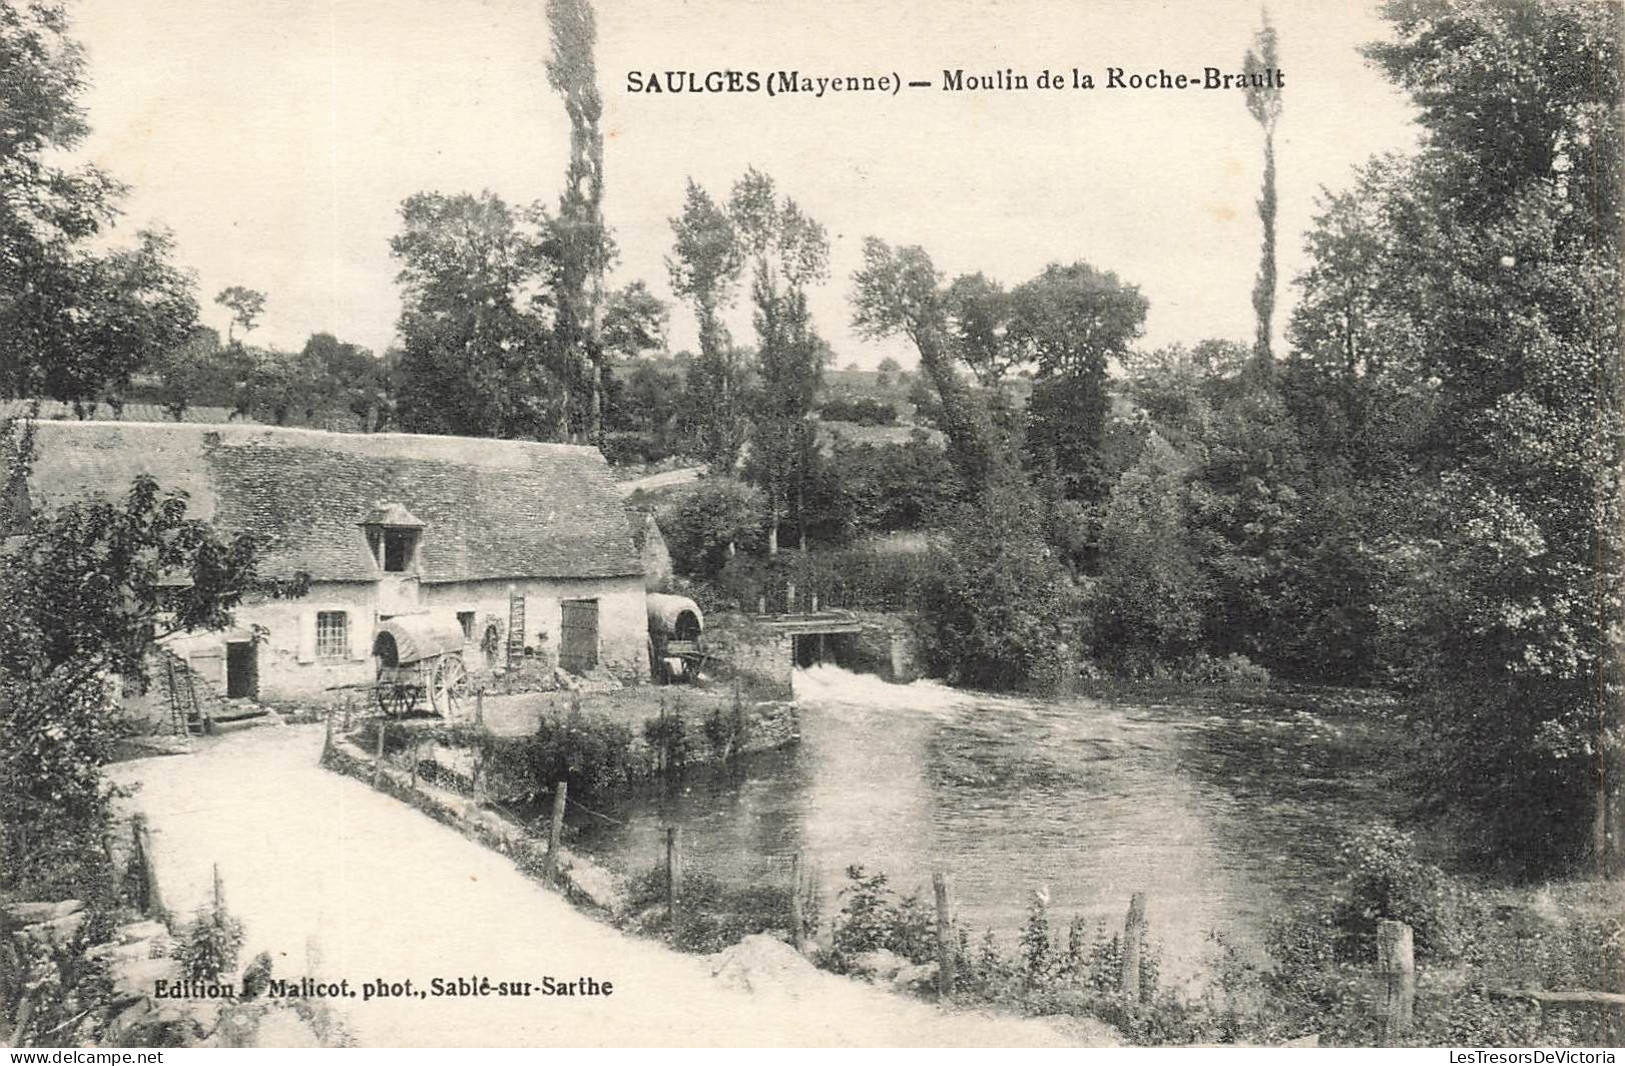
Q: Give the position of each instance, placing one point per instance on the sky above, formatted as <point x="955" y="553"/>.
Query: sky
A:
<point x="277" y="139"/>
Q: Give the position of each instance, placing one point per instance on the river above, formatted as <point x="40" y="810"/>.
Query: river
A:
<point x="1221" y="809"/>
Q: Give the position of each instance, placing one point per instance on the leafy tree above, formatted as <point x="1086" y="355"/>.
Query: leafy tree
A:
<point x="979" y="325"/>
<point x="997" y="608"/>
<point x="1500" y="325"/>
<point x="84" y="594"/>
<point x="1147" y="606"/>
<point x="899" y="292"/>
<point x="478" y="357"/>
<point x="788" y="252"/>
<point x="584" y="250"/>
<point x="635" y="322"/>
<point x="706" y="526"/>
<point x="880" y="488"/>
<point x="351" y="379"/>
<point x="1264" y="104"/>
<point x="1069" y="322"/>
<point x="76" y="320"/>
<point x="1243" y="507"/>
<point x="246" y="305"/>
<point x="886" y="372"/>
<point x="191" y="372"/>
<point x="705" y="264"/>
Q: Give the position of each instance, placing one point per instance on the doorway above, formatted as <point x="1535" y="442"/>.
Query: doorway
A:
<point x="578" y="635"/>
<point x="242" y="670"/>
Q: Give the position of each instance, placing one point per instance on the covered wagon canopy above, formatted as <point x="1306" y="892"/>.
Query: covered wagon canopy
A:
<point x="412" y="638"/>
<point x="674" y="617"/>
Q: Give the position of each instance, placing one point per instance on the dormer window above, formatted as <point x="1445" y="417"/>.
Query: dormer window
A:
<point x="393" y="533"/>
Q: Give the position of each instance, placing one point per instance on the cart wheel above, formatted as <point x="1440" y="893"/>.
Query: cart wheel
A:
<point x="448" y="688"/>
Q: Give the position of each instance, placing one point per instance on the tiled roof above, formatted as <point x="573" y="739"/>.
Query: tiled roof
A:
<point x="492" y="509"/>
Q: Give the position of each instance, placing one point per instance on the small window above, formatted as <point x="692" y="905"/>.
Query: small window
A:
<point x="398" y="545"/>
<point x="332" y="635"/>
<point x="465" y="619"/>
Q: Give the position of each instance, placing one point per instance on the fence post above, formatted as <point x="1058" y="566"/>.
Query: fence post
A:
<point x="1396" y="958"/>
<point x="945" y="931"/>
<point x="152" y="903"/>
<point x="1133" y="935"/>
<point x="798" y="917"/>
<point x="479" y="707"/>
<point x="327" y="737"/>
<point x="378" y="756"/>
<point x="219" y="890"/>
<point x="555" y="831"/>
<point x="674" y="872"/>
<point x="412" y="756"/>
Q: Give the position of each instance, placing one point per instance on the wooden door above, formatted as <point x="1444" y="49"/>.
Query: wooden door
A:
<point x="578" y="635"/>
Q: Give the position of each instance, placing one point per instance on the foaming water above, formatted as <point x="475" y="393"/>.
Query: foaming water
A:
<point x="1093" y="801"/>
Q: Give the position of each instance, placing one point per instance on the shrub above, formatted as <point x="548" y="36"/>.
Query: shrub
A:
<point x="634" y="449"/>
<point x="997" y="608"/>
<point x="209" y="944"/>
<point x="592" y="755"/>
<point x="712" y="915"/>
<point x="667" y="733"/>
<point x="872" y="918"/>
<point x="1384" y="879"/>
<point x="1147" y="606"/>
<point x="1232" y="669"/>
<point x="717" y="514"/>
<point x="862" y="410"/>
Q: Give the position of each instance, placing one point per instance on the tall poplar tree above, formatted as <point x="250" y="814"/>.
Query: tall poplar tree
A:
<point x="1264" y="104"/>
<point x="788" y="252"/>
<point x="584" y="249"/>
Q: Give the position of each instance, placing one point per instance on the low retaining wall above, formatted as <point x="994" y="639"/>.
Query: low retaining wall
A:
<point x="583" y="881"/>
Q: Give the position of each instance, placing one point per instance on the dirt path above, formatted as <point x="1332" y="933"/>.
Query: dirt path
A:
<point x="337" y="881"/>
<point x="664" y="479"/>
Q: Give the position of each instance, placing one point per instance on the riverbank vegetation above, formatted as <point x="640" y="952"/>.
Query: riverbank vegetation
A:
<point x="1418" y="492"/>
<point x="1477" y="956"/>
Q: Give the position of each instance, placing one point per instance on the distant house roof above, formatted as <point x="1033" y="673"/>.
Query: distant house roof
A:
<point x="491" y="509"/>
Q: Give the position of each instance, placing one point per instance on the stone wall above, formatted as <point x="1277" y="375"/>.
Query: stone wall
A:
<point x="759" y="657"/>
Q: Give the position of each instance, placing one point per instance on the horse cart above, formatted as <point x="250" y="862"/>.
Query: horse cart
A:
<point x="676" y="638"/>
<point x="420" y="666"/>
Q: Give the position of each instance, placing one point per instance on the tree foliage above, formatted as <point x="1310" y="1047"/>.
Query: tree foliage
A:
<point x="76" y="320"/>
<point x="478" y="356"/>
<point x="84" y="593"/>
<point x="706" y="261"/>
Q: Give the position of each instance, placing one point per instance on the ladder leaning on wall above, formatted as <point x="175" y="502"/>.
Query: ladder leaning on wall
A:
<point x="185" y="714"/>
<point x="516" y="630"/>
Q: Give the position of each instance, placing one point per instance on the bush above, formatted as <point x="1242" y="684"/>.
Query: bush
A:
<point x="1384" y="879"/>
<point x="634" y="449"/>
<point x="997" y="608"/>
<point x="1231" y="670"/>
<point x="668" y="734"/>
<point x="592" y="755"/>
<point x="702" y="527"/>
<point x="862" y="410"/>
<point x="880" y="488"/>
<point x="209" y="944"/>
<point x="872" y="918"/>
<point x="865" y="575"/>
<point x="1147" y="606"/>
<point x="711" y="915"/>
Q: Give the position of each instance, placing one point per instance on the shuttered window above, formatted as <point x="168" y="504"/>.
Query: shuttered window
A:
<point x="332" y="635"/>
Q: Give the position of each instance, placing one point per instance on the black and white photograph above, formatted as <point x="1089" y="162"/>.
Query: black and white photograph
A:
<point x="812" y="523"/>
